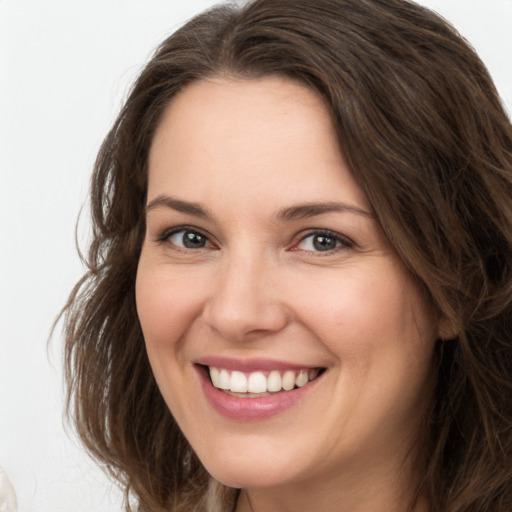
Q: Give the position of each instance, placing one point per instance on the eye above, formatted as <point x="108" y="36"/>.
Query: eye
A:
<point x="187" y="238"/>
<point x="323" y="241"/>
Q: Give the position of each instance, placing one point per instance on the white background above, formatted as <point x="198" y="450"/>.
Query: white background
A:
<point x="65" y="66"/>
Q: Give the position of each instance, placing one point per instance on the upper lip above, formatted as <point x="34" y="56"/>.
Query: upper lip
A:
<point x="251" y="365"/>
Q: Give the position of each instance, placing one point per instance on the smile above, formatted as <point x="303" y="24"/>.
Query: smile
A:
<point x="260" y="383"/>
<point x="255" y="389"/>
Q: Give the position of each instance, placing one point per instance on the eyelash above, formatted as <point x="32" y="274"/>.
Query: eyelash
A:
<point x="166" y="236"/>
<point x="341" y="242"/>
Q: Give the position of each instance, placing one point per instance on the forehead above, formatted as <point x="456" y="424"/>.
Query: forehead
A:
<point x="258" y="136"/>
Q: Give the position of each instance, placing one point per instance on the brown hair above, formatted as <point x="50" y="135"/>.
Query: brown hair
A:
<point x="423" y="131"/>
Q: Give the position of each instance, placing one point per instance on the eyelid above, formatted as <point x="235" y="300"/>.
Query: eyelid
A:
<point x="167" y="233"/>
<point x="345" y="242"/>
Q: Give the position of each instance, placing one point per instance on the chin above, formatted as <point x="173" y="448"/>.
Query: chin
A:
<point x="250" y="471"/>
<point x="248" y="477"/>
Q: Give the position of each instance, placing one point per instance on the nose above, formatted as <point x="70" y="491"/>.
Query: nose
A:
<point x="245" y="302"/>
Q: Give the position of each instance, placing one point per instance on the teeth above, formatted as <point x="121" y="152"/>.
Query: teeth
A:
<point x="224" y="380"/>
<point x="302" y="379"/>
<point x="258" y="382"/>
<point x="288" y="380"/>
<point x="215" y="376"/>
<point x="238" y="382"/>
<point x="274" y="381"/>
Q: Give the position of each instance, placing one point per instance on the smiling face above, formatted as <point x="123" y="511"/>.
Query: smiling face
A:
<point x="264" y="267"/>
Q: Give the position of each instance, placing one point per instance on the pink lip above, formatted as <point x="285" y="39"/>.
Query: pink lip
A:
<point x="250" y="365"/>
<point x="251" y="409"/>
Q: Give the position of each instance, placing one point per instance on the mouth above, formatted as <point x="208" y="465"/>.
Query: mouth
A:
<point x="261" y="383"/>
<point x="256" y="389"/>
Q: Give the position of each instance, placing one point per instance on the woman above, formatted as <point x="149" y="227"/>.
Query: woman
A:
<point x="299" y="292"/>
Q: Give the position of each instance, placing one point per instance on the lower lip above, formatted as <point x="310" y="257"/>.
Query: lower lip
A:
<point x="252" y="409"/>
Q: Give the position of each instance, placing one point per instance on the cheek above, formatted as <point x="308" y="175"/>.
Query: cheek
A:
<point x="356" y="306"/>
<point x="166" y="307"/>
<point x="371" y="321"/>
<point x="382" y="335"/>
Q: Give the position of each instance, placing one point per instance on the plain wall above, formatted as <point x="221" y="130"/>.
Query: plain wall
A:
<point x="65" y="67"/>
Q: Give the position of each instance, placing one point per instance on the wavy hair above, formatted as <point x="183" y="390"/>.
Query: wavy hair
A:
<point x="424" y="133"/>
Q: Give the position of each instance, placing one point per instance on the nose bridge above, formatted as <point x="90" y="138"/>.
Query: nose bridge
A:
<point x="244" y="300"/>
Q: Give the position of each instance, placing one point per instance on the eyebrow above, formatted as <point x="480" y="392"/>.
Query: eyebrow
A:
<point x="295" y="212"/>
<point x="177" y="204"/>
<point x="307" y="210"/>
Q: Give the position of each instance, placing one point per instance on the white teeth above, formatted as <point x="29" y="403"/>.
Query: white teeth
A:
<point x="288" y="380"/>
<point x="214" y="375"/>
<point x="224" y="380"/>
<point x="238" y="382"/>
<point x="302" y="379"/>
<point x="255" y="383"/>
<point x="274" y="381"/>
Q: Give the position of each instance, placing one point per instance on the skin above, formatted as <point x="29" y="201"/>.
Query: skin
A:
<point x="245" y="151"/>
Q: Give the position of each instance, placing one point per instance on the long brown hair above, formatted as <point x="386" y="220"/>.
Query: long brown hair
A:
<point x="423" y="131"/>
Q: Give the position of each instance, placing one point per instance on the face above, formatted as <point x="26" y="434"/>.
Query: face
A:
<point x="286" y="336"/>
